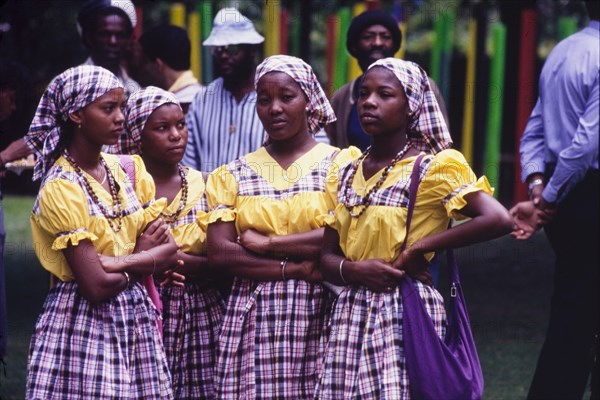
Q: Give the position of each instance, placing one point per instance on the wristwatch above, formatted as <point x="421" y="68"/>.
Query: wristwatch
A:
<point x="534" y="182"/>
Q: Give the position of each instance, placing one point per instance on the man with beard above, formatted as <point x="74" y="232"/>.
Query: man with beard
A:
<point x="222" y="120"/>
<point x="372" y="35"/>
<point x="106" y="29"/>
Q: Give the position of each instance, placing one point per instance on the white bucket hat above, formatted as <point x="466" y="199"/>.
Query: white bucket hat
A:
<point x="231" y="27"/>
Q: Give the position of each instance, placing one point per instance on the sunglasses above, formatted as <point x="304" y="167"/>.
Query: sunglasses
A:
<point x="231" y="50"/>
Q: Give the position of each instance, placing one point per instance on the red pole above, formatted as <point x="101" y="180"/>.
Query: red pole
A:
<point x="137" y="31"/>
<point x="525" y="93"/>
<point x="331" y="32"/>
<point x="284" y="31"/>
<point x="373" y="4"/>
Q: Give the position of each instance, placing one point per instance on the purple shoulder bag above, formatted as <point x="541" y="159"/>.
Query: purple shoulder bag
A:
<point x="438" y="368"/>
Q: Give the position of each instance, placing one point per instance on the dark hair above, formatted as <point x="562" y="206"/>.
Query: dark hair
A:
<point x="170" y="43"/>
<point x="92" y="10"/>
<point x="368" y="19"/>
<point x="593" y="9"/>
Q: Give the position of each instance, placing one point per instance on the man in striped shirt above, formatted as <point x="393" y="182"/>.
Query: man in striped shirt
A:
<point x="222" y="120"/>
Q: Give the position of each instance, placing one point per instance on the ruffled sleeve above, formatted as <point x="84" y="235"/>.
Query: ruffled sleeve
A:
<point x="342" y="158"/>
<point x="63" y="214"/>
<point x="153" y="210"/>
<point x="221" y="194"/>
<point x="448" y="180"/>
<point x="144" y="187"/>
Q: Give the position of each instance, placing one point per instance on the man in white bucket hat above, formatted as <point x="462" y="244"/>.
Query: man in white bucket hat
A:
<point x="222" y="120"/>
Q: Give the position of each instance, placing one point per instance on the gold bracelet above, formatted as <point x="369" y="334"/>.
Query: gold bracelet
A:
<point x="153" y="261"/>
<point x="341" y="274"/>
<point x="127" y="277"/>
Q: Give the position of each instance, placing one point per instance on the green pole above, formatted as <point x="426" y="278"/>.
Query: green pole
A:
<point x="446" y="54"/>
<point x="206" y="16"/>
<point x="342" y="57"/>
<point x="495" y="100"/>
<point x="566" y="27"/>
<point x="295" y="31"/>
<point x="439" y="27"/>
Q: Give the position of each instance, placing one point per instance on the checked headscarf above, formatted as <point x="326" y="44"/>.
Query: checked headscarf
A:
<point x="427" y="128"/>
<point x="69" y="92"/>
<point x="140" y="105"/>
<point x="318" y="108"/>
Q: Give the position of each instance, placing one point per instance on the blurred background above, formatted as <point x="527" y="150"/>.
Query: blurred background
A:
<point x="486" y="57"/>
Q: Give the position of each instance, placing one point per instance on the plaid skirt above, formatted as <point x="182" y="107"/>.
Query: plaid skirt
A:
<point x="108" y="350"/>
<point x="364" y="357"/>
<point x="191" y="325"/>
<point x="272" y="340"/>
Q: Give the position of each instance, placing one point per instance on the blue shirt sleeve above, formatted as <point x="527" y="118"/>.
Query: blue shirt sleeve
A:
<point x="533" y="146"/>
<point x="574" y="161"/>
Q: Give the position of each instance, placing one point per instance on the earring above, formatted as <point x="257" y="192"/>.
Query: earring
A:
<point x="79" y="126"/>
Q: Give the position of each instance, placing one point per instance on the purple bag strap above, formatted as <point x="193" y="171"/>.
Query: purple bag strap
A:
<point x="415" y="181"/>
<point x="452" y="363"/>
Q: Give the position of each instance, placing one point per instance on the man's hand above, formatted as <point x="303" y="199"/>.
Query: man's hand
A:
<point x="529" y="218"/>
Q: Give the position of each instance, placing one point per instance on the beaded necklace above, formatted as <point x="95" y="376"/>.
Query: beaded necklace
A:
<point x="366" y="200"/>
<point x="114" y="216"/>
<point x="172" y="218"/>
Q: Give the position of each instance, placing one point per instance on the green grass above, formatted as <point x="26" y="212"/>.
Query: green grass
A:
<point x="26" y="287"/>
<point x="507" y="285"/>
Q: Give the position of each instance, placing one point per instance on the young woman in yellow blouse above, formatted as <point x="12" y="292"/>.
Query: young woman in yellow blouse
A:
<point x="97" y="335"/>
<point x="267" y="210"/>
<point x="192" y="312"/>
<point x="363" y="240"/>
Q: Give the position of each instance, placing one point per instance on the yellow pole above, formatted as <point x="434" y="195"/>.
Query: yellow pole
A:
<point x="469" y="104"/>
<point x="195" y="40"/>
<point x="354" y="70"/>
<point x="402" y="50"/>
<point x="272" y="20"/>
<point x="178" y="14"/>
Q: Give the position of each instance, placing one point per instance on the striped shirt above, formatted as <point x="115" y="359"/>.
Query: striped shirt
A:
<point x="220" y="129"/>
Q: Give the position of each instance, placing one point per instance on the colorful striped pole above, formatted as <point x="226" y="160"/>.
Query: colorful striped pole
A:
<point x="373" y="4"/>
<point x="494" y="122"/>
<point x="446" y="54"/>
<point x="525" y="93"/>
<point x="342" y="57"/>
<point x="469" y="103"/>
<point x="436" y="51"/>
<point x="194" y="35"/>
<point x="284" y="30"/>
<point x="206" y="21"/>
<point x="398" y="14"/>
<point x="401" y="53"/>
<point x="271" y="16"/>
<point x="354" y="70"/>
<point x="295" y="31"/>
<point x="139" y="27"/>
<point x="566" y="27"/>
<point x="178" y="14"/>
<point x="331" y="32"/>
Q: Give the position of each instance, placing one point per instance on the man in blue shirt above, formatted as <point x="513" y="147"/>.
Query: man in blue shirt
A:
<point x="559" y="158"/>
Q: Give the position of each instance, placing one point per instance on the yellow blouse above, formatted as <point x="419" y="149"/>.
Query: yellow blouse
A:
<point x="186" y="230"/>
<point x="380" y="231"/>
<point x="65" y="213"/>
<point x="255" y="192"/>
